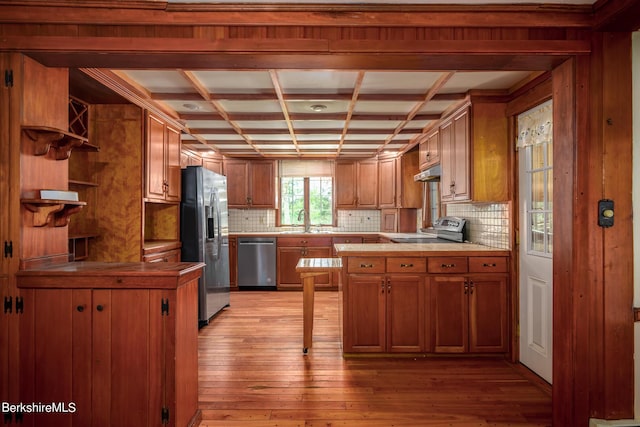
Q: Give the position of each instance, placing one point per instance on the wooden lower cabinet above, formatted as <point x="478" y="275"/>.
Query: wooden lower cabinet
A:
<point x="288" y="277"/>
<point x="290" y="249"/>
<point x="122" y="356"/>
<point x="469" y="314"/>
<point x="384" y="313"/>
<point x="417" y="304"/>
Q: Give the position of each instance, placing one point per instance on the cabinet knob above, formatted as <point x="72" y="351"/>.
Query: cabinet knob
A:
<point x="99" y="307"/>
<point x="80" y="308"/>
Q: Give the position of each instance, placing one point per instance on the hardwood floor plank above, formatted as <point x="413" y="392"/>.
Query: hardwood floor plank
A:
<point x="253" y="374"/>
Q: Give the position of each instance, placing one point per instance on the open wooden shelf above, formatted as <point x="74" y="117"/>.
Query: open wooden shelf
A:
<point x="46" y="211"/>
<point x="82" y="183"/>
<point x="79" y="246"/>
<point x="62" y="142"/>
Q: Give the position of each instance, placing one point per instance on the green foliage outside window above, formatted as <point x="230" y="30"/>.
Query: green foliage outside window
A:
<point x="293" y="197"/>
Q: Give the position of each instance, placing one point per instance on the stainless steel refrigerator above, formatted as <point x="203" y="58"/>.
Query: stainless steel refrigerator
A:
<point x="204" y="231"/>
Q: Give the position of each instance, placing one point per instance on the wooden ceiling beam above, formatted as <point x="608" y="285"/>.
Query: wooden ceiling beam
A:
<point x="425" y="16"/>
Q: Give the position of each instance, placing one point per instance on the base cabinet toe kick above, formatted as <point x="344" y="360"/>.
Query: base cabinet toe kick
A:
<point x="404" y="303"/>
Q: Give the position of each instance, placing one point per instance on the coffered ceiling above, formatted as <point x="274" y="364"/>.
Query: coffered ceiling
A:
<point x="309" y="113"/>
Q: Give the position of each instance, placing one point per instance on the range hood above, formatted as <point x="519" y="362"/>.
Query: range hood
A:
<point x="431" y="174"/>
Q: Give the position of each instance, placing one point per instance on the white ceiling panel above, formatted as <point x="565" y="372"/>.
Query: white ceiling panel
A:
<point x="222" y="82"/>
<point x="367" y="110"/>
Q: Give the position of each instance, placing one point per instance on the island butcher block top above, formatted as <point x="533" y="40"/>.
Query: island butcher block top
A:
<point x="110" y="275"/>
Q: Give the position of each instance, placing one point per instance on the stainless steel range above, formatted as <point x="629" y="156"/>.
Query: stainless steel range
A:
<point x="446" y="230"/>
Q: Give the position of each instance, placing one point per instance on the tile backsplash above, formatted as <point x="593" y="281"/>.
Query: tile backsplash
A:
<point x="252" y="220"/>
<point x="242" y="220"/>
<point x="487" y="223"/>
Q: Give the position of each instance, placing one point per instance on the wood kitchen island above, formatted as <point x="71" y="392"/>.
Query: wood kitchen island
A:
<point x="425" y="298"/>
<point x="119" y="340"/>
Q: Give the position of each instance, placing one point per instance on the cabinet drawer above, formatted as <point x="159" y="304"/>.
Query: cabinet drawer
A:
<point x="406" y="265"/>
<point x="347" y="239"/>
<point x="447" y="264"/>
<point x="365" y="265"/>
<point x="304" y="241"/>
<point x="488" y="264"/>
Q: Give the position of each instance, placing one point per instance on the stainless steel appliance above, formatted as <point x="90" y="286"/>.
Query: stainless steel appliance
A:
<point x="204" y="231"/>
<point x="257" y="263"/>
<point x="445" y="230"/>
<point x="431" y="174"/>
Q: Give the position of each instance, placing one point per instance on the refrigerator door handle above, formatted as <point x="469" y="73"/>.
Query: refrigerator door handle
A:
<point x="219" y="223"/>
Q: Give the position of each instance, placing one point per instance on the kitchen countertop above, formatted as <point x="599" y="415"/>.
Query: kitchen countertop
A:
<point x="110" y="275"/>
<point x="417" y="249"/>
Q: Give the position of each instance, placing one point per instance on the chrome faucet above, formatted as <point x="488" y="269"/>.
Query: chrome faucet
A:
<point x="307" y="225"/>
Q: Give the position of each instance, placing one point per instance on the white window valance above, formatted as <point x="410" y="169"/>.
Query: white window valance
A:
<point x="305" y="168"/>
<point x="535" y="126"/>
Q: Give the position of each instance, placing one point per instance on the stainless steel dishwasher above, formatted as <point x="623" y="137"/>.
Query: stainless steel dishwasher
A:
<point x="257" y="263"/>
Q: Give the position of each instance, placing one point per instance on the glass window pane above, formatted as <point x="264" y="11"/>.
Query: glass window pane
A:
<point x="320" y="201"/>
<point x="537" y="190"/>
<point x="537" y="232"/>
<point x="549" y="154"/>
<point x="537" y="156"/>
<point x="292" y="191"/>
<point x="550" y="189"/>
<point x="549" y="233"/>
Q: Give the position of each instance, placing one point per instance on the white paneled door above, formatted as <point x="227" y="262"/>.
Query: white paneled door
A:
<point x="536" y="255"/>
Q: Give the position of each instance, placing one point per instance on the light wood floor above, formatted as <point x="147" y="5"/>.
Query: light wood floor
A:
<point x="253" y="374"/>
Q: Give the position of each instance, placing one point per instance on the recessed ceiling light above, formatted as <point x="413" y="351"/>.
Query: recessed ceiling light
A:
<point x="191" y="107"/>
<point x="317" y="107"/>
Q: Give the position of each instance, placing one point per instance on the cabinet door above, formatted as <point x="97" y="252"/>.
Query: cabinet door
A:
<point x="172" y="165"/>
<point x="488" y="314"/>
<point x="449" y="314"/>
<point x="237" y="172"/>
<point x="389" y="221"/>
<point x="461" y="156"/>
<point x="56" y="356"/>
<point x="367" y="185"/>
<point x="288" y="258"/>
<point x="345" y="184"/>
<point x="124" y="364"/>
<point x="405" y="314"/>
<point x="364" y="311"/>
<point x="429" y="151"/>
<point x="154" y="156"/>
<point x="387" y="178"/>
<point x="446" y="162"/>
<point x="262" y="191"/>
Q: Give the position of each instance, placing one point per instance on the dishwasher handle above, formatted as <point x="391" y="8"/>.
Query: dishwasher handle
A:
<point x="256" y="242"/>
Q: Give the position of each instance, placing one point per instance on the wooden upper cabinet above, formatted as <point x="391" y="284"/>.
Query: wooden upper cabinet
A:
<point x="172" y="165"/>
<point x="474" y="154"/>
<point x="429" y="148"/>
<point x="162" y="161"/>
<point x="454" y="157"/>
<point x="356" y="184"/>
<point x="250" y="183"/>
<point x="345" y="184"/>
<point x="397" y="188"/>
<point x="367" y="184"/>
<point x="262" y="184"/>
<point x="387" y="170"/>
<point x="490" y="152"/>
